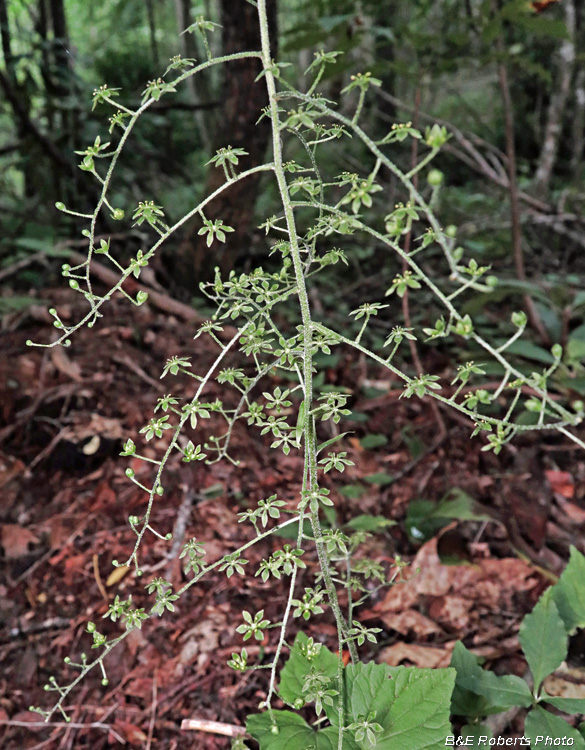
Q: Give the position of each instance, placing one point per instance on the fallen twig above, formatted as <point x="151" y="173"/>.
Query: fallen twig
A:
<point x="158" y="299"/>
<point x="213" y="727"/>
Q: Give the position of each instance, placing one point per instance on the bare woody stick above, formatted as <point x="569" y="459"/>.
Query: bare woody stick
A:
<point x="213" y="727"/>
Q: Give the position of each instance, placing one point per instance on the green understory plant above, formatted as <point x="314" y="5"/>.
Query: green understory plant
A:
<point x="359" y="705"/>
<point x="544" y="635"/>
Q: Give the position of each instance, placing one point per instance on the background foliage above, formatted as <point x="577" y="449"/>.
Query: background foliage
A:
<point x="436" y="60"/>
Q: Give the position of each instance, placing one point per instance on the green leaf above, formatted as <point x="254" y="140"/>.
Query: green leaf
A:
<point x="292" y="530"/>
<point x="411" y="704"/>
<point x="293" y="733"/>
<point x="569" y="593"/>
<point x="459" y="505"/>
<point x="46" y="246"/>
<point x="292" y="675"/>
<point x="373" y="441"/>
<point x="568" y="705"/>
<point x="425" y="518"/>
<point x="369" y="523"/>
<point x="421" y="525"/>
<point x="543" y="638"/>
<point x="540" y="723"/>
<point x="543" y="26"/>
<point x="381" y="478"/>
<point x="479" y="692"/>
<point x="332" y="440"/>
<point x="301" y="419"/>
<point x="353" y="491"/>
<point x="530" y="351"/>
<point x="476" y="731"/>
<point x="15" y="304"/>
<point x="419" y="713"/>
<point x="367" y="688"/>
<point x="331" y="735"/>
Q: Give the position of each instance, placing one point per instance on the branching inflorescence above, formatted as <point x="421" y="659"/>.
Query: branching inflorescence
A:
<point x="311" y="213"/>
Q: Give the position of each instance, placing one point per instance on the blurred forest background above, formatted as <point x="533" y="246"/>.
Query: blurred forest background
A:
<point x="506" y="77"/>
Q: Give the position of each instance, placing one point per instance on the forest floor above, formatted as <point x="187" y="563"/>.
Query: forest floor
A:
<point x="64" y="414"/>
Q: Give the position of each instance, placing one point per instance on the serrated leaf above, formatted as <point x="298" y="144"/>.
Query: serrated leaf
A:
<point x="479" y="692"/>
<point x="569" y="593"/>
<point x="411" y="704"/>
<point x="367" y="689"/>
<point x="419" y="713"/>
<point x="543" y="638"/>
<point x="541" y="723"/>
<point x="292" y="675"/>
<point x="293" y="733"/>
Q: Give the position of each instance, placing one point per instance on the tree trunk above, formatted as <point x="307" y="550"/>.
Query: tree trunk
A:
<point x="6" y="40"/>
<point x="243" y="99"/>
<point x="558" y="102"/>
<point x="189" y="51"/>
<point x="578" y="130"/>
<point x="152" y="31"/>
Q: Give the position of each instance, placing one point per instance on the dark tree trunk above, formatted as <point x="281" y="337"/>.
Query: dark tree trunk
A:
<point x="243" y="99"/>
<point x="6" y="40"/>
<point x="60" y="87"/>
<point x="62" y="59"/>
<point x="152" y="32"/>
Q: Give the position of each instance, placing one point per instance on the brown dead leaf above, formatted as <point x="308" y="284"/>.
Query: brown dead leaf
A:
<point x="202" y="639"/>
<point x="398" y="598"/>
<point x="452" y="610"/>
<point x="450" y="593"/>
<point x="559" y="687"/>
<point x="30" y="717"/>
<point x="65" y="364"/>
<point x="15" y="540"/>
<point x="141" y="687"/>
<point x="133" y="734"/>
<point x="135" y="641"/>
<point x="104" y="496"/>
<point x="561" y="482"/>
<point x="428" y="657"/>
<point x="434" y="578"/>
<point x="73" y="566"/>
<point x="409" y="621"/>
<point x="117" y="574"/>
<point x="572" y="510"/>
<point x="59" y="530"/>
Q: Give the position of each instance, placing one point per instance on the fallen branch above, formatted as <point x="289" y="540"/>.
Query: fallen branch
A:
<point x="158" y="299"/>
<point x="213" y="727"/>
